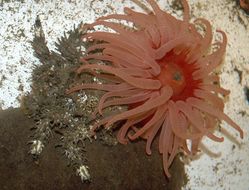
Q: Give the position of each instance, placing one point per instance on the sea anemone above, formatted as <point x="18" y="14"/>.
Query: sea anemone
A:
<point x="162" y="69"/>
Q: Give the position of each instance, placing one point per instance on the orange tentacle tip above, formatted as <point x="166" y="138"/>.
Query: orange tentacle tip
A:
<point x="244" y="4"/>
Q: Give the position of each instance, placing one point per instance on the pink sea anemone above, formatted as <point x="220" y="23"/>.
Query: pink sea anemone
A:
<point x="163" y="71"/>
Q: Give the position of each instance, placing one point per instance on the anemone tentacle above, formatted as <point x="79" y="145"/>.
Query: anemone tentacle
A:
<point x="163" y="71"/>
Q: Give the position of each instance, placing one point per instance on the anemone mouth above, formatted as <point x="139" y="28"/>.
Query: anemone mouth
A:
<point x="171" y="74"/>
<point x="178" y="74"/>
